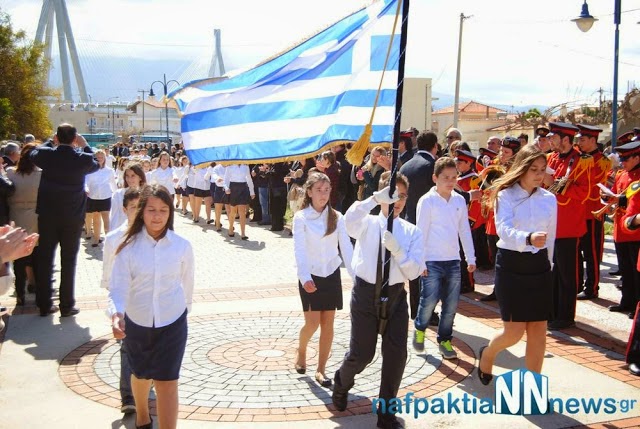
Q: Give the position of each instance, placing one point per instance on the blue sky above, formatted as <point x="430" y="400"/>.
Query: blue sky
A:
<point x="513" y="52"/>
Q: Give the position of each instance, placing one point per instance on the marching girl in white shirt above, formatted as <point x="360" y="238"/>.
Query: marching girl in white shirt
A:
<point x="318" y="232"/>
<point x="526" y="217"/>
<point x="134" y="177"/>
<point x="164" y="174"/>
<point x="181" y="188"/>
<point x="148" y="302"/>
<point x="220" y="198"/>
<point x="239" y="186"/>
<point x="201" y="190"/>
<point x="99" y="186"/>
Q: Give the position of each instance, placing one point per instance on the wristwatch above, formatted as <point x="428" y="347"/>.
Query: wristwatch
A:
<point x="529" y="239"/>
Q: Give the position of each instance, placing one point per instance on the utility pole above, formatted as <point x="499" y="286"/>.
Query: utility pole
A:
<point x="456" y="103"/>
<point x="143" y="93"/>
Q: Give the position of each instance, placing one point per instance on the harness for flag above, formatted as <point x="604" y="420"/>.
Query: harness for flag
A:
<point x="318" y="94"/>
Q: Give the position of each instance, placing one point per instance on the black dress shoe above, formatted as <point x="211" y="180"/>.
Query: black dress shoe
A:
<point x="69" y="312"/>
<point x="584" y="296"/>
<point x="634" y="369"/>
<point x="483" y="376"/>
<point x="557" y="325"/>
<point x="619" y="309"/>
<point x="276" y="229"/>
<point x="147" y="426"/>
<point x="389" y="421"/>
<point x="340" y="395"/>
<point x="615" y="273"/>
<point x="48" y="310"/>
<point x="261" y="223"/>
<point x="490" y="297"/>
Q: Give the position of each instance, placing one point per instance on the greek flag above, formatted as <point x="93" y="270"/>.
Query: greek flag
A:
<point x="318" y="94"/>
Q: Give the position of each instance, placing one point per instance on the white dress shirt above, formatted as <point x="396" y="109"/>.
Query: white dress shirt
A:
<point x="100" y="184"/>
<point x="191" y="176"/>
<point x="317" y="253"/>
<point x="368" y="229"/>
<point x="517" y="214"/>
<point x="143" y="285"/>
<point x="216" y="175"/>
<point x="111" y="243"/>
<point x="199" y="181"/>
<point x="442" y="222"/>
<point x="181" y="174"/>
<point x="164" y="177"/>
<point x="238" y="174"/>
<point x="117" y="216"/>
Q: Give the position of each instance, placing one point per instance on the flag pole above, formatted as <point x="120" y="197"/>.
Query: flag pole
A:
<point x="384" y="293"/>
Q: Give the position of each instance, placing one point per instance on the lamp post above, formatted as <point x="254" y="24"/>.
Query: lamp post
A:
<point x="456" y="101"/>
<point x="585" y="22"/>
<point x="113" y="115"/>
<point x="143" y="93"/>
<point x="164" y="84"/>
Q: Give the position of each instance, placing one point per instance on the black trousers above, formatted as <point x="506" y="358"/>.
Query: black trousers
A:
<point x="467" y="282"/>
<point x="277" y="206"/>
<point x="20" y="270"/>
<point x="414" y="296"/>
<point x="591" y="248"/>
<point x="66" y="233"/>
<point x="479" y="236"/>
<point x="254" y="204"/>
<point x="565" y="279"/>
<point x="628" y="259"/>
<point x="364" y="338"/>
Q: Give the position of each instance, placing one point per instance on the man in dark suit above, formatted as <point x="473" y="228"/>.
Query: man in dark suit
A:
<point x="61" y="209"/>
<point x="419" y="171"/>
<point x="405" y="147"/>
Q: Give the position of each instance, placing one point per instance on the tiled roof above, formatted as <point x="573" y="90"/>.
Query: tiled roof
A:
<point x="470" y="107"/>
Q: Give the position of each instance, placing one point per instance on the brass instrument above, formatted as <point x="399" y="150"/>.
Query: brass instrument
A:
<point x="487" y="177"/>
<point x="559" y="185"/>
<point x="608" y="210"/>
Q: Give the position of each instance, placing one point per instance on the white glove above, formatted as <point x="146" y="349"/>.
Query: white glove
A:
<point x="390" y="243"/>
<point x="382" y="196"/>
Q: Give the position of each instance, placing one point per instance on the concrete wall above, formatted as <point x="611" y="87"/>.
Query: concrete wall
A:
<point x="416" y="104"/>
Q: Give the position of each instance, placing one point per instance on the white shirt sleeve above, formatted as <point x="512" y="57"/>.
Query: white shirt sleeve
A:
<point x="465" y="236"/>
<point x="119" y="284"/>
<point x="108" y="254"/>
<point x="346" y="248"/>
<point x="504" y="218"/>
<point x="299" y="248"/>
<point x="188" y="276"/>
<point x="355" y="216"/>
<point x="412" y="263"/>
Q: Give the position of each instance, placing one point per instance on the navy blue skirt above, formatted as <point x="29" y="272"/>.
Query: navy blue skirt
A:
<point x="328" y="294"/>
<point x="219" y="195"/>
<point x="239" y="194"/>
<point x="156" y="353"/>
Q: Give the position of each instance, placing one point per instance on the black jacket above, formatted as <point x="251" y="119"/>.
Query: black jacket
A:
<point x="419" y="171"/>
<point x="6" y="190"/>
<point x="61" y="191"/>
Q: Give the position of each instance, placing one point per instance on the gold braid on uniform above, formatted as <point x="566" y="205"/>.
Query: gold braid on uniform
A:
<point x="633" y="189"/>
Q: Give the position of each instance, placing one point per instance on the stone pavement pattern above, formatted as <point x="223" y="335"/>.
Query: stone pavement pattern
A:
<point x="238" y="372"/>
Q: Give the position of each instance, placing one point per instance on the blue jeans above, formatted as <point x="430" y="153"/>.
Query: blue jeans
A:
<point x="263" y="194"/>
<point x="442" y="283"/>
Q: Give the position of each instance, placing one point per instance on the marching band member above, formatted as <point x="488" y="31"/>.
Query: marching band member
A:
<point x="570" y="184"/>
<point x="631" y="223"/>
<point x="592" y="243"/>
<point x="627" y="242"/>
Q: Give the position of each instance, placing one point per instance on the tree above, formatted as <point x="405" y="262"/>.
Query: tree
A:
<point x="23" y="84"/>
<point x="533" y="113"/>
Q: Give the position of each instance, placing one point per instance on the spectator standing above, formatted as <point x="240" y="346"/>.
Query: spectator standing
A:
<point x="100" y="187"/>
<point x="25" y="176"/>
<point x="61" y="207"/>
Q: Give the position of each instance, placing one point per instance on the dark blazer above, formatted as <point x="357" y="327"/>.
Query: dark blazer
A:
<point x="7" y="189"/>
<point x="419" y="171"/>
<point x="406" y="157"/>
<point x="61" y="191"/>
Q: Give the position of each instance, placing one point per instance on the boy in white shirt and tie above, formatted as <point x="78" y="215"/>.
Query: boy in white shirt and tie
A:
<point x="442" y="216"/>
<point x="407" y="262"/>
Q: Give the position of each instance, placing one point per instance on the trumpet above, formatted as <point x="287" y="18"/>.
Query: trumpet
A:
<point x="608" y="210"/>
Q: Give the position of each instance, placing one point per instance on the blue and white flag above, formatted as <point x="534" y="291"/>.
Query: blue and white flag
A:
<point x="317" y="94"/>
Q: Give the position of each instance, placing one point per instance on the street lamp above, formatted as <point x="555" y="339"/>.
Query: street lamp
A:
<point x="164" y="84"/>
<point x="584" y="23"/>
<point x="113" y="115"/>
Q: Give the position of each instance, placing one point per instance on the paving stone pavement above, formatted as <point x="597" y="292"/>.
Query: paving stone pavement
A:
<point x="238" y="366"/>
